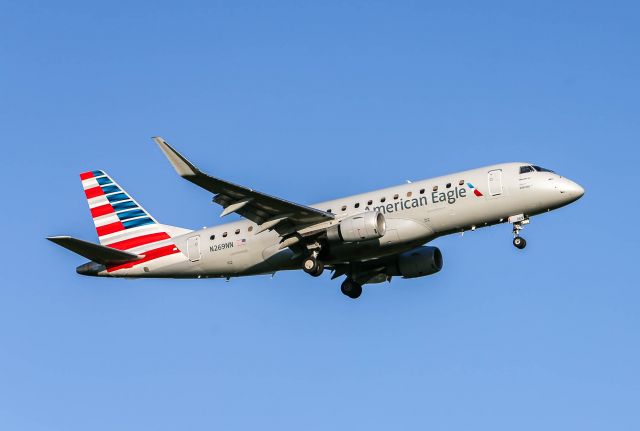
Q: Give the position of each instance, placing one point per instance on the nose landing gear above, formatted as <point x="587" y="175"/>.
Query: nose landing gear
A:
<point x="519" y="242"/>
<point x="519" y="221"/>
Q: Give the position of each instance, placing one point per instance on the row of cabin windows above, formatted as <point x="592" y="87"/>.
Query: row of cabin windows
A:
<point x="397" y="196"/>
<point x="356" y="205"/>
<point x="225" y="234"/>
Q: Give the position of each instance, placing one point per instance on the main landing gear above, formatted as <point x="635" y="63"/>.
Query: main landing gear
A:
<point x="313" y="266"/>
<point x="350" y="288"/>
<point x="519" y="222"/>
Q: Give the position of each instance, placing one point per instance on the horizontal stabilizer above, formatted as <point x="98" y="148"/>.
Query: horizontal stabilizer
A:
<point x="97" y="253"/>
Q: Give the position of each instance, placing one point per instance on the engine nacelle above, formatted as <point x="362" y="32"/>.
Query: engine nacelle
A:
<point x="360" y="227"/>
<point x="419" y="262"/>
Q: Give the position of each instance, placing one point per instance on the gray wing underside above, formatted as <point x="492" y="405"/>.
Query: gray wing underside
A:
<point x="269" y="211"/>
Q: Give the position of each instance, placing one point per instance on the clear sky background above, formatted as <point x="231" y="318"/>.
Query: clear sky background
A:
<point x="310" y="102"/>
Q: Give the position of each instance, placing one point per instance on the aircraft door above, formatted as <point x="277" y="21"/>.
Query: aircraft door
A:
<point x="193" y="248"/>
<point x="495" y="182"/>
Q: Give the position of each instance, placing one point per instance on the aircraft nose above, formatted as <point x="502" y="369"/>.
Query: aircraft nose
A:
<point x="572" y="190"/>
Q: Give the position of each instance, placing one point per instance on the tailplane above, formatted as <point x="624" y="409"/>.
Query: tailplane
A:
<point x="94" y="252"/>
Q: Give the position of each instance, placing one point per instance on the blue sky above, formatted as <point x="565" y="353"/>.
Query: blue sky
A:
<point x="310" y="102"/>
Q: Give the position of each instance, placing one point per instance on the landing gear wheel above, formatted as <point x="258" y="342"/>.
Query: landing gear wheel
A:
<point x="319" y="270"/>
<point x="519" y="242"/>
<point x="519" y="222"/>
<point x="350" y="288"/>
<point x="313" y="266"/>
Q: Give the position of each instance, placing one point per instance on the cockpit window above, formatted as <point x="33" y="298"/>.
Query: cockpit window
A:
<point x="539" y="169"/>
<point x="525" y="169"/>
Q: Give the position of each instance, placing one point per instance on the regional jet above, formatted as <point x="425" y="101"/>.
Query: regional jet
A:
<point x="367" y="238"/>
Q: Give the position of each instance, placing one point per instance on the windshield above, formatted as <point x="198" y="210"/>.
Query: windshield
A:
<point x="525" y="169"/>
<point x="539" y="169"/>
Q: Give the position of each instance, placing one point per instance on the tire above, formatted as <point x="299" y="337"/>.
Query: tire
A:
<point x="319" y="270"/>
<point x="310" y="265"/>
<point x="351" y="289"/>
<point x="519" y="242"/>
<point x="356" y="292"/>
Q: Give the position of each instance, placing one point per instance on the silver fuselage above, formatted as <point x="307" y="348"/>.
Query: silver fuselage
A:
<point x="415" y="214"/>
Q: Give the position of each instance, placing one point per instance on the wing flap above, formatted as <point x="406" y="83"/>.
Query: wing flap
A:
<point x="94" y="252"/>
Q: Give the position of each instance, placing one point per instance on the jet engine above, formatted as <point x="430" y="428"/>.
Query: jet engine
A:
<point x="360" y="227"/>
<point x="418" y="262"/>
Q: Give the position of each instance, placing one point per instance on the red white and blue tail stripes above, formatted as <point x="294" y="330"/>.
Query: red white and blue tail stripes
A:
<point x="122" y="223"/>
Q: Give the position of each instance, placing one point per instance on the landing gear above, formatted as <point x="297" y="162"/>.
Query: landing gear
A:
<point x="313" y="266"/>
<point x="519" y="242"/>
<point x="350" y="288"/>
<point x="519" y="222"/>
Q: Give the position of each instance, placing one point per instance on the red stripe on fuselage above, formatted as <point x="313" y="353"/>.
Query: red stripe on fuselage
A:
<point x="86" y="175"/>
<point x="93" y="192"/>
<point x="101" y="210"/>
<point x="139" y="240"/>
<point x="149" y="255"/>
<point x="110" y="228"/>
<point x="477" y="192"/>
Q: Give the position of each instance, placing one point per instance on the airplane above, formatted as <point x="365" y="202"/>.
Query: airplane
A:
<point x="368" y="238"/>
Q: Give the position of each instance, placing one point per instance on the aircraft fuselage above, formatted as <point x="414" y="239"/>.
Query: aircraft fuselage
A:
<point x="415" y="214"/>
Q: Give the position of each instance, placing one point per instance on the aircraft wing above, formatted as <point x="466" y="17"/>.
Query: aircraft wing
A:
<point x="269" y="212"/>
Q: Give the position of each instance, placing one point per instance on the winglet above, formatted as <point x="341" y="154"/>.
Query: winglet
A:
<point x="183" y="167"/>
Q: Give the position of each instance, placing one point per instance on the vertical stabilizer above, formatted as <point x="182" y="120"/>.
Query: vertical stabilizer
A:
<point x="121" y="222"/>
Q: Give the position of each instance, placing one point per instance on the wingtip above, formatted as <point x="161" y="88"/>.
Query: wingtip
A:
<point x="182" y="166"/>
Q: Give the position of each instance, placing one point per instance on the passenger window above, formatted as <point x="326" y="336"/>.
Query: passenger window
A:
<point x="461" y="182"/>
<point x="250" y="228"/>
<point x="344" y="208"/>
<point x="448" y="185"/>
<point x="237" y="231"/>
<point x="357" y="205"/>
<point x="328" y="211"/>
<point x="383" y="199"/>
<point x="396" y="196"/>
<point x="369" y="202"/>
<point x="409" y="194"/>
<point x="435" y="188"/>
<point x="421" y="191"/>
<point x="224" y="235"/>
<point x="212" y="237"/>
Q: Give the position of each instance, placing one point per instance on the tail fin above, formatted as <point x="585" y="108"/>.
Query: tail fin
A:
<point x="120" y="221"/>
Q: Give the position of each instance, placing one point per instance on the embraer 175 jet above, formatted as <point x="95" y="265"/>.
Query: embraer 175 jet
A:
<point x="369" y="238"/>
